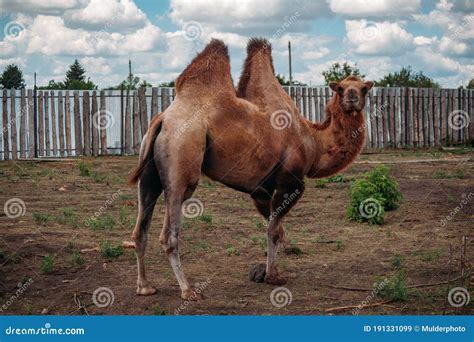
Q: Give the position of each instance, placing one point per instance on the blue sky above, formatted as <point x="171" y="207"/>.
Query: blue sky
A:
<point x="161" y="37"/>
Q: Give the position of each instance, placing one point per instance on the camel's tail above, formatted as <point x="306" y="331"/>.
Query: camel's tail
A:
<point x="146" y="154"/>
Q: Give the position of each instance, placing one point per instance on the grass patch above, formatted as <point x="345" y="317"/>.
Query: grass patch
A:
<point x="109" y="251"/>
<point x="372" y="195"/>
<point x="77" y="259"/>
<point x="321" y="183"/>
<point x="41" y="218"/>
<point x="47" y="264"/>
<point x="231" y="250"/>
<point x="67" y="216"/>
<point x="396" y="288"/>
<point x="339" y="178"/>
<point x="459" y="174"/>
<point x="428" y="256"/>
<point x="293" y="249"/>
<point x="397" y="261"/>
<point x="340" y="244"/>
<point x="124" y="217"/>
<point x="158" y="311"/>
<point x="207" y="219"/>
<point x="103" y="222"/>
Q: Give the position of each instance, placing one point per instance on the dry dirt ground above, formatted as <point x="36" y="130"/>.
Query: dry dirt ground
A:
<point x="219" y="247"/>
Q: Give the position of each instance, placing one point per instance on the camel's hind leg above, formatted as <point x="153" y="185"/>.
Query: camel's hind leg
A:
<point x="149" y="189"/>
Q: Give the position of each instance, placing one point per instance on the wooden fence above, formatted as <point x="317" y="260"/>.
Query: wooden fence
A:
<point x="73" y="123"/>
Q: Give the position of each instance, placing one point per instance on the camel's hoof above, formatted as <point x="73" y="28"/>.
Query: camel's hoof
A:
<point x="275" y="279"/>
<point x="257" y="273"/>
<point x="191" y="295"/>
<point x="146" y="290"/>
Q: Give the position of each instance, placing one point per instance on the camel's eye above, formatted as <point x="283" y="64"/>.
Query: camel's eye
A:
<point x="364" y="91"/>
<point x="340" y="90"/>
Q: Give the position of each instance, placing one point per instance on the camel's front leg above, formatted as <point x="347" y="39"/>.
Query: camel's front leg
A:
<point x="274" y="208"/>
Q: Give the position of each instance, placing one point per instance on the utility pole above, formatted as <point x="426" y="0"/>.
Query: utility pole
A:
<point x="35" y="119"/>
<point x="129" y="74"/>
<point x="289" y="61"/>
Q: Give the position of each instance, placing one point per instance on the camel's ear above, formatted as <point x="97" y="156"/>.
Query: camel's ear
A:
<point x="369" y="84"/>
<point x="333" y="85"/>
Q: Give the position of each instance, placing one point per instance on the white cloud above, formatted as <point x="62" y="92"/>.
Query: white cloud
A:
<point x="41" y="6"/>
<point x="108" y="15"/>
<point x="97" y="65"/>
<point x="377" y="38"/>
<point x="421" y="40"/>
<point x="375" y="8"/>
<point x="247" y="16"/>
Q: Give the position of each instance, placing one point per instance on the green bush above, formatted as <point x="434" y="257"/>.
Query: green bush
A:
<point x="107" y="250"/>
<point x="372" y="195"/>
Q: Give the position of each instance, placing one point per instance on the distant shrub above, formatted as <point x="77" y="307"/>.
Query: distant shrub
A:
<point x="372" y="195"/>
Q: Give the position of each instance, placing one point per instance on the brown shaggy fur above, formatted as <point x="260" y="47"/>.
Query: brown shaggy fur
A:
<point x="214" y="59"/>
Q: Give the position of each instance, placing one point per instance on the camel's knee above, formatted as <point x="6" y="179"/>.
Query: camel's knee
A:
<point x="276" y="235"/>
<point x="169" y="242"/>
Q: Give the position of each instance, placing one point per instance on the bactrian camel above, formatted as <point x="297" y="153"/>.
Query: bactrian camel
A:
<point x="253" y="140"/>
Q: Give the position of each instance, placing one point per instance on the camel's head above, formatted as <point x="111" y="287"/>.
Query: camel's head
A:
<point x="350" y="93"/>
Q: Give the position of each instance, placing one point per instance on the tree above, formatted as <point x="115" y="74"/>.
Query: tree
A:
<point x="12" y="78"/>
<point x="53" y="85"/>
<point x="76" y="78"/>
<point x="132" y="82"/>
<point x="167" y="84"/>
<point x="284" y="82"/>
<point x="338" y="72"/>
<point x="470" y="85"/>
<point x="407" y="78"/>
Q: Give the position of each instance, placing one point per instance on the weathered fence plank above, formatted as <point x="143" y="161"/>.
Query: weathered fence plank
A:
<point x="67" y="124"/>
<point x="23" y="130"/>
<point x="103" y="123"/>
<point x="95" y="126"/>
<point x="165" y="99"/>
<point x="6" y="139"/>
<point x="128" y="123"/>
<point x="62" y="150"/>
<point x="86" y="119"/>
<point x="154" y="101"/>
<point x="143" y="110"/>
<point x="31" y="125"/>
<point x="53" y="125"/>
<point x="136" y="124"/>
<point x="13" y="125"/>
<point x="436" y="118"/>
<point x="77" y="125"/>
<point x="47" y="138"/>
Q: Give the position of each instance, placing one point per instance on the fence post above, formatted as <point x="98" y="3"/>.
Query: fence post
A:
<point x="128" y="118"/>
<point x="68" y="124"/>
<point x="13" y="124"/>
<point x="23" y="114"/>
<point x="95" y="125"/>
<point x="61" y="124"/>
<point x="103" y="124"/>
<point x="53" y="125"/>
<point x="31" y="124"/>
<point x="77" y="125"/>
<point x="86" y="118"/>
<point x="47" y="140"/>
<point x="136" y="123"/>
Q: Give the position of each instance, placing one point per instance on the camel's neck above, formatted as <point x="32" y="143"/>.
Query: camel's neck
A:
<point x="337" y="141"/>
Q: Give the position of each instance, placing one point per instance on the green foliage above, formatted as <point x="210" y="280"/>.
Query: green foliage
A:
<point x="293" y="249"/>
<point x="67" y="216"/>
<point x="397" y="261"/>
<point x="12" y="77"/>
<point x="170" y="84"/>
<point x="470" y="85"/>
<point x="444" y="175"/>
<point x="47" y="264"/>
<point x="406" y="78"/>
<point x="207" y="219"/>
<point x="339" y="244"/>
<point x="107" y="250"/>
<point x="41" y="218"/>
<point x="53" y="85"/>
<point x="338" y="72"/>
<point x="284" y="82"/>
<point x="76" y="78"/>
<point x="231" y="250"/>
<point x="84" y="169"/>
<point x="396" y="288"/>
<point x="336" y="178"/>
<point x="321" y="183"/>
<point x="77" y="259"/>
<point x="372" y="195"/>
<point x="158" y="311"/>
<point x="102" y="222"/>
